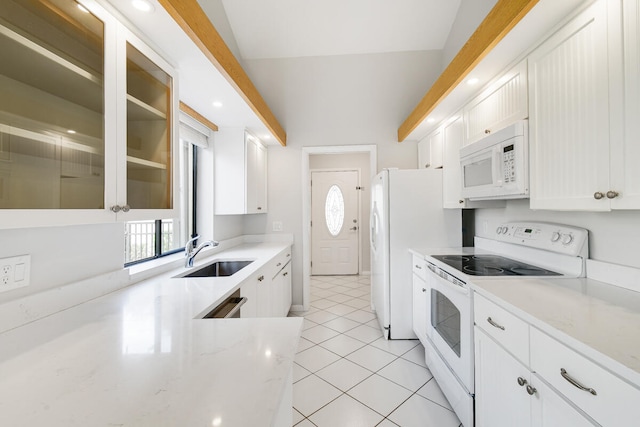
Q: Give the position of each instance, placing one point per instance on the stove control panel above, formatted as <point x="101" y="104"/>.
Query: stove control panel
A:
<point x="558" y="238"/>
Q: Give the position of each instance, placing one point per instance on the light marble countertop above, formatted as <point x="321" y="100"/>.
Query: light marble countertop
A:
<point x="138" y="357"/>
<point x="597" y="319"/>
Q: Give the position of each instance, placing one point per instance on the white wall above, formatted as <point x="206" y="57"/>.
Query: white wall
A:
<point x="335" y="100"/>
<point x="470" y="14"/>
<point x="613" y="236"/>
<point x="356" y="161"/>
<point x="62" y="255"/>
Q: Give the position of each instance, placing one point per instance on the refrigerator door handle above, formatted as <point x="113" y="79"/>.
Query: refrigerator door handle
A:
<point x="372" y="235"/>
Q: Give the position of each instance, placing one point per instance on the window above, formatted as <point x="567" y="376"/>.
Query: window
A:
<point x="334" y="210"/>
<point x="147" y="240"/>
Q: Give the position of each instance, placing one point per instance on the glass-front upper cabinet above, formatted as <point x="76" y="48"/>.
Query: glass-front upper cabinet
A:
<point x="149" y="153"/>
<point x="52" y="138"/>
<point x="86" y="118"/>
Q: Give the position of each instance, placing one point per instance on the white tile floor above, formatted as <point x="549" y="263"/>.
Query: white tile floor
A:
<point x="347" y="374"/>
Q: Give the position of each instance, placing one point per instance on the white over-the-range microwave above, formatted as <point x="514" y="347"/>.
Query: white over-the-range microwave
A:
<point x="497" y="166"/>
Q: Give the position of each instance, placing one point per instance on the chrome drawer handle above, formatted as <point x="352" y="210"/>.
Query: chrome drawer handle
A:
<point x="494" y="324"/>
<point x="278" y="264"/>
<point x="521" y="381"/>
<point x="418" y="267"/>
<point x="567" y="377"/>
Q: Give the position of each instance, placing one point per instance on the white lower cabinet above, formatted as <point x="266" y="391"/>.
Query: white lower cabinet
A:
<point x="511" y="393"/>
<point x="268" y="290"/>
<point x="420" y="298"/>
<point x="500" y="399"/>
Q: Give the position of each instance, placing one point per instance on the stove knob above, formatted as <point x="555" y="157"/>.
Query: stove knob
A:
<point x="499" y="230"/>
<point x="555" y="236"/>
<point x="567" y="239"/>
<point x="504" y="230"/>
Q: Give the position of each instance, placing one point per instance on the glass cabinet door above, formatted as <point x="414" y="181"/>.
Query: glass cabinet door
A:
<point x="149" y="131"/>
<point x="51" y="106"/>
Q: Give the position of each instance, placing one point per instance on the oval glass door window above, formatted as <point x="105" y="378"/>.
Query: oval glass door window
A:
<point x="334" y="210"/>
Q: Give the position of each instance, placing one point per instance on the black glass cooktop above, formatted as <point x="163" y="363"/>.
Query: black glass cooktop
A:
<point x="492" y="265"/>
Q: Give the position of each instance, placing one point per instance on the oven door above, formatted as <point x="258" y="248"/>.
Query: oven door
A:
<point x="449" y="326"/>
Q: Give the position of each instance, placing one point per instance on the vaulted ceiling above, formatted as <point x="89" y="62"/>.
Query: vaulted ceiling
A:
<point x="296" y="28"/>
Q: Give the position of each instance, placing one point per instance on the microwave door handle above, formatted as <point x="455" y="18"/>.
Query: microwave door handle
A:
<point x="497" y="167"/>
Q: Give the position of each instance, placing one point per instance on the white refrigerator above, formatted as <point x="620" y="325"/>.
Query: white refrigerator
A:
<point x="406" y="212"/>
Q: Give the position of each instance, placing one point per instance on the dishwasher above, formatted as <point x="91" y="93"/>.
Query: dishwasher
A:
<point x="227" y="309"/>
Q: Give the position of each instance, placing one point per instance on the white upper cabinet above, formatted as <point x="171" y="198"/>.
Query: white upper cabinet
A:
<point x="451" y="174"/>
<point x="430" y="151"/>
<point x="569" y="116"/>
<point x="625" y="151"/>
<point x="584" y="105"/>
<point x="500" y="105"/>
<point x="424" y="154"/>
<point x="86" y="119"/>
<point x="240" y="173"/>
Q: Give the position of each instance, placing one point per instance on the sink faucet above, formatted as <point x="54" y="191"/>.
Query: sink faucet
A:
<point x="190" y="252"/>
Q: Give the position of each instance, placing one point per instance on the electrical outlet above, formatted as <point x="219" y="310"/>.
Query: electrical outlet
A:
<point x="277" y="225"/>
<point x="15" y="272"/>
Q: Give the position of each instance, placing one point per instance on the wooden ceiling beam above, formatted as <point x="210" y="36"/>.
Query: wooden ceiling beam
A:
<point x="199" y="117"/>
<point x="195" y="23"/>
<point x="497" y="24"/>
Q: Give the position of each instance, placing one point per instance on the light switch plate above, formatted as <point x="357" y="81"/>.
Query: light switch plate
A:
<point x="277" y="225"/>
<point x="15" y="272"/>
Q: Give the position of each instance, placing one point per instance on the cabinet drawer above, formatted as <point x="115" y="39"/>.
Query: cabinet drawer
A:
<point x="615" y="402"/>
<point x="420" y="267"/>
<point x="511" y="332"/>
<point x="279" y="262"/>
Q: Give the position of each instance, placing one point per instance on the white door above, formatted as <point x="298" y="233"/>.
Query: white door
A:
<point x="334" y="223"/>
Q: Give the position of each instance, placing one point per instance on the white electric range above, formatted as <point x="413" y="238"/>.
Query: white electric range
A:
<point x="516" y="250"/>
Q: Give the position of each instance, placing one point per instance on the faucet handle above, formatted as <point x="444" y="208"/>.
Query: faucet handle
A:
<point x="189" y="246"/>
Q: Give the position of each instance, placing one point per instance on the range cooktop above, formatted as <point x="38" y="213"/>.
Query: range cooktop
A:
<point x="492" y="265"/>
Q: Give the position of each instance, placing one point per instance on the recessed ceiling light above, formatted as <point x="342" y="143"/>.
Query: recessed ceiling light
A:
<point x="431" y="120"/>
<point x="266" y="136"/>
<point x="142" y="5"/>
<point x="71" y="131"/>
<point x="82" y="8"/>
<point x="217" y="104"/>
<point x="473" y="81"/>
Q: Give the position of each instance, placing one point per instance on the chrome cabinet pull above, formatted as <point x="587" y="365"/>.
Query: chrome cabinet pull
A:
<point x="424" y="289"/>
<point x="612" y="194"/>
<point x="418" y="267"/>
<point x="126" y="208"/>
<point x="278" y="264"/>
<point x="531" y="390"/>
<point x="487" y="131"/>
<point x="494" y="324"/>
<point x="598" y="195"/>
<point x="521" y="381"/>
<point x="285" y="273"/>
<point x="567" y="377"/>
<point x="260" y="279"/>
<point x="461" y="201"/>
<point x="115" y="208"/>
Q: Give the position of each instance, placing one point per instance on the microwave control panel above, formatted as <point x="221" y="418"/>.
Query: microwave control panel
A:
<point x="508" y="163"/>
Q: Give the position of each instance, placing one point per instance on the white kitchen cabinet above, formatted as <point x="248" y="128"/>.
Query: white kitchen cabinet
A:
<point x="430" y="151"/>
<point x="240" y="173"/>
<point x="500" y="399"/>
<point x="501" y="104"/>
<point x="424" y="154"/>
<point x="569" y="116"/>
<point x="249" y="290"/>
<point x="86" y="123"/>
<point x="281" y="301"/>
<point x="508" y="394"/>
<point x="419" y="299"/>
<point x="625" y="151"/>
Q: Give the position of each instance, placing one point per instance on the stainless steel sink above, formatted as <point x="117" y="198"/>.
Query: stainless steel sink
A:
<point x="218" y="269"/>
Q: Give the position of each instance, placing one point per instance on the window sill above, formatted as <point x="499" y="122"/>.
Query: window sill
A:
<point x="154" y="267"/>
